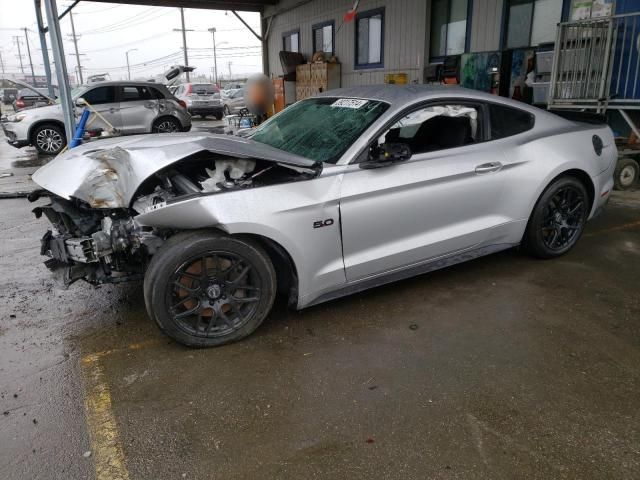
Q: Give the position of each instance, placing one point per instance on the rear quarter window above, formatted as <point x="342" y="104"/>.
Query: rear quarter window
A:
<point x="508" y="121"/>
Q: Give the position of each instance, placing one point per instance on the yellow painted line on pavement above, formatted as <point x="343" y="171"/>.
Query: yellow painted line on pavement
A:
<point x="106" y="448"/>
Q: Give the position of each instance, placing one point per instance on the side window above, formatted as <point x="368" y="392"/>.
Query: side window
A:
<point x="370" y="39"/>
<point x="436" y="127"/>
<point x="323" y="37"/>
<point x="156" y="94"/>
<point x="291" y="41"/>
<point x="100" y="95"/>
<point x="507" y="121"/>
<point x="132" y="93"/>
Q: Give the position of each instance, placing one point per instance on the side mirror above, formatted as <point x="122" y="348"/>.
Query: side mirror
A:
<point x="386" y="155"/>
<point x="80" y="102"/>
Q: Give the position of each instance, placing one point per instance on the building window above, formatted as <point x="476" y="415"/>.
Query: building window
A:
<point x="323" y="37"/>
<point x="370" y="39"/>
<point x="291" y="41"/>
<point x="448" y="27"/>
<point x="531" y="22"/>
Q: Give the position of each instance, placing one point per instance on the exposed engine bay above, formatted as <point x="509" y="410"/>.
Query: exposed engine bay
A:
<point x="107" y="245"/>
<point x="205" y="173"/>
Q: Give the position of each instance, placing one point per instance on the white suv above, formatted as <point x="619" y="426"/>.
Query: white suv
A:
<point x="128" y="107"/>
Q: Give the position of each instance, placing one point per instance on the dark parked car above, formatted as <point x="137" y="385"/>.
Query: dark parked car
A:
<point x="28" y="98"/>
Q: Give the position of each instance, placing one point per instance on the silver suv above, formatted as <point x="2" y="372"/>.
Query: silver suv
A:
<point x="201" y="99"/>
<point x="127" y="107"/>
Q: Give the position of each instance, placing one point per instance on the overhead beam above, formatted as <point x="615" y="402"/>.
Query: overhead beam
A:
<point x="68" y="9"/>
<point x="240" y="5"/>
<point x="259" y="37"/>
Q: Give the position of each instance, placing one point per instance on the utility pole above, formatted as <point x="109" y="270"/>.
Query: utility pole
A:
<point x="43" y="47"/>
<point x="184" y="41"/>
<point x="1" y="63"/>
<point x="229" y="65"/>
<point x="215" y="58"/>
<point x="17" y="39"/>
<point x="75" y="42"/>
<point x="33" y="75"/>
<point x="129" y="69"/>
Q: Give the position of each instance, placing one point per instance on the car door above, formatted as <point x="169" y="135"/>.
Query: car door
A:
<point x="442" y="200"/>
<point x="139" y="107"/>
<point x="103" y="101"/>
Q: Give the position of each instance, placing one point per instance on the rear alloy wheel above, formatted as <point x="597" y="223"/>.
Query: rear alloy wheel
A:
<point x="558" y="218"/>
<point x="205" y="289"/>
<point x="49" y="139"/>
<point x="626" y="174"/>
<point x="166" y="125"/>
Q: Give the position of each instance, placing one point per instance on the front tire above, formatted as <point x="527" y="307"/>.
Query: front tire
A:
<point x="558" y="218"/>
<point x="206" y="289"/>
<point x="49" y="139"/>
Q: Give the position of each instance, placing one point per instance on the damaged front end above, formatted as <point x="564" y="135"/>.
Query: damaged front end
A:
<point x="96" y="245"/>
<point x="97" y="193"/>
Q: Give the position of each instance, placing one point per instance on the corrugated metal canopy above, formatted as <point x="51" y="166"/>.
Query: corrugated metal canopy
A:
<point x="243" y="5"/>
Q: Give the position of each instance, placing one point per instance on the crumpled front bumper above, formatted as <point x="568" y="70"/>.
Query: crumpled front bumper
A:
<point x="17" y="134"/>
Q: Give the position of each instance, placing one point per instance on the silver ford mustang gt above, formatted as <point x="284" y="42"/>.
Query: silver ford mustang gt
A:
<point x="338" y="193"/>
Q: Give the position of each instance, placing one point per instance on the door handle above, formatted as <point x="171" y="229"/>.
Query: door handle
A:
<point x="488" y="167"/>
<point x="113" y="110"/>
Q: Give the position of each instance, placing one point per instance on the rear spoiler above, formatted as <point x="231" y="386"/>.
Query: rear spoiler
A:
<point x="582" y="117"/>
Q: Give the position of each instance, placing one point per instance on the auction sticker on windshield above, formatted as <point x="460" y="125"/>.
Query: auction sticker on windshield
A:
<point x="349" y="103"/>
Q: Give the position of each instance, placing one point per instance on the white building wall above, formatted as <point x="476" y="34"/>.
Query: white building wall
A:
<point x="404" y="42"/>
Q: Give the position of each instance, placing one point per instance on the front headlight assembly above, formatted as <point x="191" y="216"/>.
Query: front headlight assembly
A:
<point x="18" y="117"/>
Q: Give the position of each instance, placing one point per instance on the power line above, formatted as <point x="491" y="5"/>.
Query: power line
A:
<point x="128" y="23"/>
<point x="133" y="42"/>
<point x="98" y="11"/>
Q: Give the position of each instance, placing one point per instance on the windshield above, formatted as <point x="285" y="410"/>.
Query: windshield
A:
<point x="320" y="128"/>
<point x="75" y="93"/>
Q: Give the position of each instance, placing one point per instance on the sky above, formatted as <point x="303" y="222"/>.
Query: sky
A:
<point x="106" y="31"/>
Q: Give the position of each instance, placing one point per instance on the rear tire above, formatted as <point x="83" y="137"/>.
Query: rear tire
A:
<point x="206" y="289"/>
<point x="49" y="139"/>
<point x="558" y="219"/>
<point x="626" y="174"/>
<point x="166" y="125"/>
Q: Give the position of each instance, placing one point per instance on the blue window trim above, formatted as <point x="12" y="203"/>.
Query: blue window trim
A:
<point x="467" y="33"/>
<point x="288" y="34"/>
<point x="360" y="16"/>
<point x="316" y="26"/>
<point x="566" y="10"/>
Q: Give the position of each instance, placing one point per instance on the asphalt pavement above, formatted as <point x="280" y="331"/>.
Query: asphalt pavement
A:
<point x="504" y="367"/>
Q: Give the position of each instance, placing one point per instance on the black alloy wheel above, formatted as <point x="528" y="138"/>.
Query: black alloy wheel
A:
<point x="205" y="289"/>
<point x="564" y="218"/>
<point x="214" y="294"/>
<point x="558" y="218"/>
